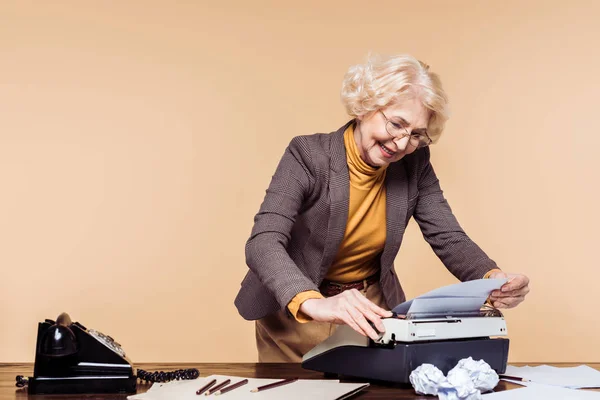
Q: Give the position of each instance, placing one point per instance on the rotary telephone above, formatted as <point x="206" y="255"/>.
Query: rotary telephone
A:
<point x="69" y="358"/>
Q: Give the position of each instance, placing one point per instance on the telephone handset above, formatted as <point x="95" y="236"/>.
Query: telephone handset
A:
<point x="70" y="358"/>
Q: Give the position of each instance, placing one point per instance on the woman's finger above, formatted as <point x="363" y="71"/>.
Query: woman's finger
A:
<point x="375" y="319"/>
<point x="371" y="316"/>
<point x="507" y="302"/>
<point x="369" y="310"/>
<point x="499" y="304"/>
<point x="378" y="310"/>
<point x="516" y="282"/>
<point x="360" y="320"/>
<point x="514" y="293"/>
<point x="348" y="320"/>
<point x="372" y="306"/>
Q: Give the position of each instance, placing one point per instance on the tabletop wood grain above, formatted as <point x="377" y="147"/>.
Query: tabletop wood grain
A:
<point x="8" y="372"/>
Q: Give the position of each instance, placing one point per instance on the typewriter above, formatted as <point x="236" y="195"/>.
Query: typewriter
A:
<point x="457" y="328"/>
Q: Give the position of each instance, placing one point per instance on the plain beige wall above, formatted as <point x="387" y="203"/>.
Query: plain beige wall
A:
<point x="137" y="140"/>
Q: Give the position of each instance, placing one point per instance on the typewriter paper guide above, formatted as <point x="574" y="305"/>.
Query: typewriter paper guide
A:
<point x="461" y="297"/>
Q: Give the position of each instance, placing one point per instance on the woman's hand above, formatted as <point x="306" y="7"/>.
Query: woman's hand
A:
<point x="512" y="293"/>
<point x="349" y="307"/>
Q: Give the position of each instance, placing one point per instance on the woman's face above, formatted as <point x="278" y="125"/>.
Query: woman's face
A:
<point x="376" y="147"/>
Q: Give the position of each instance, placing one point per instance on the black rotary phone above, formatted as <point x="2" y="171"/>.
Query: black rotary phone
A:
<point x="69" y="358"/>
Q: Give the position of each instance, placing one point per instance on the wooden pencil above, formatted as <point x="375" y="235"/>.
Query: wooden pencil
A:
<point x="231" y="387"/>
<point x="514" y="378"/>
<point x="274" y="385"/>
<point x="219" y="386"/>
<point x="206" y="387"/>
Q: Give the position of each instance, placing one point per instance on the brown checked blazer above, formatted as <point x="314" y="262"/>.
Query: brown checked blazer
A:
<point x="302" y="220"/>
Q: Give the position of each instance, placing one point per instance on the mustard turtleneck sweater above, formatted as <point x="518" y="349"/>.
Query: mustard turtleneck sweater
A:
<point x="364" y="238"/>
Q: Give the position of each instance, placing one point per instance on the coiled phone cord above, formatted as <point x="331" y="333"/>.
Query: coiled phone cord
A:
<point x="162" y="376"/>
<point x="156" y="376"/>
<point x="21" y="381"/>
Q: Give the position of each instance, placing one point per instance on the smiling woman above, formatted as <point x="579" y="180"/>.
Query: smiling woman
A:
<point x="382" y="82"/>
<point x="382" y="140"/>
<point x="323" y="244"/>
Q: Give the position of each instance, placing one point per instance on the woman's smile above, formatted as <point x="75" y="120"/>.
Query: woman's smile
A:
<point x="386" y="151"/>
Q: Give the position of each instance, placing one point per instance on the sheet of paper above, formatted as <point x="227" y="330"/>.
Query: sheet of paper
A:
<point x="542" y="392"/>
<point x="301" y="389"/>
<point x="581" y="376"/>
<point x="473" y="294"/>
<point x="446" y="304"/>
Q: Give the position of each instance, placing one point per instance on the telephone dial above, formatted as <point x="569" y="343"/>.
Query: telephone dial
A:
<point x="70" y="358"/>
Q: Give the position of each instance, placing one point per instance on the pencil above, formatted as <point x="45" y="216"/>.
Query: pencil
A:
<point x="514" y="378"/>
<point x="231" y="387"/>
<point x="274" y="385"/>
<point x="219" y="386"/>
<point x="206" y="387"/>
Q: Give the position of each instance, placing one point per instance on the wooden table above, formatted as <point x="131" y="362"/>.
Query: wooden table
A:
<point x="375" y="391"/>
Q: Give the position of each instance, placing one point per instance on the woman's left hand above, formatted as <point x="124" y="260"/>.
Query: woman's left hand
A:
<point x="512" y="293"/>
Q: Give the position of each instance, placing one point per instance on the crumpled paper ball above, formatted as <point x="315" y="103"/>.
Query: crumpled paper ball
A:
<point x="482" y="375"/>
<point x="466" y="381"/>
<point x="426" y="378"/>
<point x="458" y="386"/>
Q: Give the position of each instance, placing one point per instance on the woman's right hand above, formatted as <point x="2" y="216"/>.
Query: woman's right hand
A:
<point x="350" y="307"/>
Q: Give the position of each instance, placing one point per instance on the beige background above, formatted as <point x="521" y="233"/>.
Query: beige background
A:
<point x="137" y="140"/>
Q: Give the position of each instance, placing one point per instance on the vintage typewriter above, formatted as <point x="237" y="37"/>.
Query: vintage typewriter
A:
<point x="442" y="338"/>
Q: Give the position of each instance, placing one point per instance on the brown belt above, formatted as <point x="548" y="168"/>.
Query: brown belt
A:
<point x="329" y="288"/>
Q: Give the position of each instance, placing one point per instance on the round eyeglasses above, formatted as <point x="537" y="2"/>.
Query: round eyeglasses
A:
<point x="397" y="130"/>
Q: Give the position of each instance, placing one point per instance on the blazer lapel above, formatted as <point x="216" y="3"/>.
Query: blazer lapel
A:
<point x="396" y="186"/>
<point x="339" y="195"/>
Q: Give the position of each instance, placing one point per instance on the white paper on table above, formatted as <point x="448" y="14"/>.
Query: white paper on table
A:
<point x="581" y="376"/>
<point x="542" y="392"/>
<point x="301" y="389"/>
<point x="464" y="296"/>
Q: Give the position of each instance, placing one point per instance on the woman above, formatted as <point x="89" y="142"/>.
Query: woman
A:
<point x="323" y="244"/>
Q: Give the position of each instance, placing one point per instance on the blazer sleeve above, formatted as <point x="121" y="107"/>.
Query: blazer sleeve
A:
<point x="440" y="228"/>
<point x="266" y="253"/>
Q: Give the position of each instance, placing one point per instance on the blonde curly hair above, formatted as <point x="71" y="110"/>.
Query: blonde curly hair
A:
<point x="383" y="81"/>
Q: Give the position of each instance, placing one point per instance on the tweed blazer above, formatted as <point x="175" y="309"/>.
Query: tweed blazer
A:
<point x="301" y="223"/>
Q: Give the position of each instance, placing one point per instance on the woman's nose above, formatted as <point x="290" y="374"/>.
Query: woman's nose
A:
<point x="401" y="143"/>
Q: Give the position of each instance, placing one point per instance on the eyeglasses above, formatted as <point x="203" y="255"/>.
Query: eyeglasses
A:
<point x="398" y="131"/>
